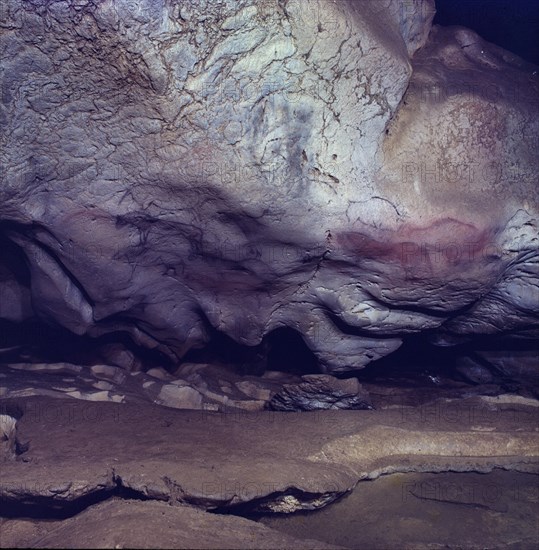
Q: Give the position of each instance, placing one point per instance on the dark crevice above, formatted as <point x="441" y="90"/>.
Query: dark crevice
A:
<point x="283" y="349"/>
<point x="352" y="330"/>
<point x="54" y="257"/>
<point x="258" y="507"/>
<point x="225" y="350"/>
<point x="415" y="358"/>
<point x="431" y="311"/>
<point x="419" y="362"/>
<point x="13" y="258"/>
<point x="38" y="507"/>
<point x="47" y="508"/>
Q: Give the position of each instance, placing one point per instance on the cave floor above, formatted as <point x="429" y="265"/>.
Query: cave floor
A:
<point x="457" y="473"/>
<point x="499" y="509"/>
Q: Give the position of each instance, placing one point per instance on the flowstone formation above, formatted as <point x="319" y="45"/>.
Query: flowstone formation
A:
<point x="171" y="169"/>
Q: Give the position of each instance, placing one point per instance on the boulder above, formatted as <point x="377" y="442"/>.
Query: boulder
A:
<point x="321" y="391"/>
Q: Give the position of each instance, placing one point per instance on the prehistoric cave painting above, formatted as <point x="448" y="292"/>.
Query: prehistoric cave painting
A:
<point x="178" y="165"/>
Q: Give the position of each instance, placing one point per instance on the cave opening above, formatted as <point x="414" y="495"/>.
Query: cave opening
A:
<point x="488" y="365"/>
<point x="282" y="349"/>
<point x="491" y="365"/>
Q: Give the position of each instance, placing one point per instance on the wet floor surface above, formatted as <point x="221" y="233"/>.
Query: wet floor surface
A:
<point x="446" y="510"/>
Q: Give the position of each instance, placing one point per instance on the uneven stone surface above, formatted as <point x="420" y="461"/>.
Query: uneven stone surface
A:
<point x="192" y="386"/>
<point x="83" y="453"/>
<point x="78" y="448"/>
<point x="165" y="454"/>
<point x="181" y="173"/>
<point x="135" y="524"/>
<point x="321" y="391"/>
<point x="175" y="168"/>
<point x="217" y="387"/>
<point x="516" y="364"/>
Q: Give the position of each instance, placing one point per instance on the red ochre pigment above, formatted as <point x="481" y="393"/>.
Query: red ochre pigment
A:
<point x="442" y="244"/>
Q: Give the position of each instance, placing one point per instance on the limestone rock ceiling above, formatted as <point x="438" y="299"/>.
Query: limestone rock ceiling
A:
<point x="338" y="168"/>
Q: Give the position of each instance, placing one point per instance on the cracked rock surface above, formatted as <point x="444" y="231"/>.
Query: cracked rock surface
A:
<point x="316" y="392"/>
<point x="93" y="464"/>
<point x="428" y="511"/>
<point x="121" y="524"/>
<point x="338" y="168"/>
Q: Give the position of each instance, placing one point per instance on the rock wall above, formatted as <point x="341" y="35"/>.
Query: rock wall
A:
<point x="338" y="168"/>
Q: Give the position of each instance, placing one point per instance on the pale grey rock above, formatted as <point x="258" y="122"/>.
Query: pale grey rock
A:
<point x="252" y="389"/>
<point x="160" y="374"/>
<point x="55" y="368"/>
<point x="179" y="397"/>
<point x="8" y="437"/>
<point x="118" y="355"/>
<point x="337" y="168"/>
<point x="194" y="386"/>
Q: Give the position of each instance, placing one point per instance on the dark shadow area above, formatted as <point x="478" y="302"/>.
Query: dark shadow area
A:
<point x="223" y="350"/>
<point x="282" y="349"/>
<point x="12" y="257"/>
<point x="510" y="24"/>
<point x="36" y="341"/>
<point x="46" y="508"/>
<point x="416" y="359"/>
<point x="418" y="362"/>
<point x="258" y="508"/>
<point x="289" y="353"/>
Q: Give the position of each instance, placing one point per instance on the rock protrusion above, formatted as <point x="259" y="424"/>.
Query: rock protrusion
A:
<point x="321" y="391"/>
